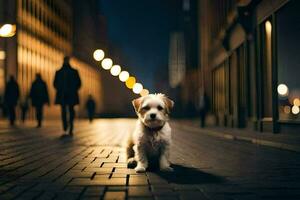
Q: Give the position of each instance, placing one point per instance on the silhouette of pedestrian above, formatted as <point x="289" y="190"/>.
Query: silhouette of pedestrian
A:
<point x="2" y="107"/>
<point x="24" y="105"/>
<point x="90" y="107"/>
<point x="39" y="97"/>
<point x="11" y="97"/>
<point x="67" y="83"/>
<point x="203" y="107"/>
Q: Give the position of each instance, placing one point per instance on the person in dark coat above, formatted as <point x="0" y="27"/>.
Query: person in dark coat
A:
<point x="90" y="107"/>
<point x="11" y="97"/>
<point x="67" y="83"/>
<point x="203" y="107"/>
<point x="39" y="97"/>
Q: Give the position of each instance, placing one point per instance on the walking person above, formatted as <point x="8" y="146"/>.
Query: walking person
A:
<point x="67" y="83"/>
<point x="39" y="97"/>
<point x="90" y="107"/>
<point x="11" y="97"/>
<point x="203" y="107"/>
<point x="24" y="105"/>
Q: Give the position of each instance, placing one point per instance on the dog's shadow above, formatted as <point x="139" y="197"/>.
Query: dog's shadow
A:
<point x="188" y="175"/>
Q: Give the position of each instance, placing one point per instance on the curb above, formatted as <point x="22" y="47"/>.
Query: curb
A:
<point x="268" y="143"/>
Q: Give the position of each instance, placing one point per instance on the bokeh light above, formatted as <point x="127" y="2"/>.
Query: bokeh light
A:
<point x="115" y="70"/>
<point x="282" y="90"/>
<point x="268" y="27"/>
<point x="295" y="110"/>
<point x="287" y="109"/>
<point x="130" y="82"/>
<point x="7" y="30"/>
<point x="123" y="76"/>
<point x="98" y="55"/>
<point x="106" y="63"/>
<point x="144" y="92"/>
<point x="296" y="102"/>
<point x="137" y="88"/>
<point x="2" y="55"/>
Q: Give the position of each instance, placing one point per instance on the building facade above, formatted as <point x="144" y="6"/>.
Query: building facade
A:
<point x="248" y="62"/>
<point x="44" y="36"/>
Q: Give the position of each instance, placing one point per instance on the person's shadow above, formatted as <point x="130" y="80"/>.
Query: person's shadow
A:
<point x="188" y="175"/>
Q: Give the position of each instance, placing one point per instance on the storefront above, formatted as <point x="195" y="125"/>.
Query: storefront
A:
<point x="257" y="86"/>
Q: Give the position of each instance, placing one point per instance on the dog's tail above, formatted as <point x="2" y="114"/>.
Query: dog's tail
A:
<point x="131" y="162"/>
<point x="129" y="150"/>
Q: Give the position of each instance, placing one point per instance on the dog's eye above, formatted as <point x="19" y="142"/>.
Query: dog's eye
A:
<point x="146" y="108"/>
<point x="159" y="108"/>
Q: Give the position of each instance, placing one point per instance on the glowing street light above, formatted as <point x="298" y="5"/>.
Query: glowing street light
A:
<point x="107" y="63"/>
<point x="115" y="70"/>
<point x="295" y="110"/>
<point x="282" y="90"/>
<point x="137" y="88"/>
<point x="98" y="55"/>
<point x="123" y="76"/>
<point x="130" y="82"/>
<point x="8" y="30"/>
<point x="144" y="92"/>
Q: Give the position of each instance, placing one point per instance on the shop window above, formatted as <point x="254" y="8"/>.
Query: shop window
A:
<point x="288" y="43"/>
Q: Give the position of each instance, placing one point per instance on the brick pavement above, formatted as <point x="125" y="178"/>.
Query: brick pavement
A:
<point x="40" y="164"/>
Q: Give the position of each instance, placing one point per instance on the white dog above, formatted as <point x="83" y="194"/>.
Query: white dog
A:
<point x="151" y="138"/>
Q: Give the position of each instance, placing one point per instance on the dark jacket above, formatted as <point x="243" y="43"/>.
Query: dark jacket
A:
<point x="90" y="105"/>
<point x="39" y="93"/>
<point x="11" y="94"/>
<point x="67" y="83"/>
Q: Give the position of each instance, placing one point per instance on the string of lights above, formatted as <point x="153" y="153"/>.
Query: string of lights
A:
<point x="116" y="70"/>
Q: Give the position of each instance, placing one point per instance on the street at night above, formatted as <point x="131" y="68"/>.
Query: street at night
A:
<point x="157" y="99"/>
<point x="40" y="164"/>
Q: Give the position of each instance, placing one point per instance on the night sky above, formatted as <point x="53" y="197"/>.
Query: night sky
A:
<point x="140" y="30"/>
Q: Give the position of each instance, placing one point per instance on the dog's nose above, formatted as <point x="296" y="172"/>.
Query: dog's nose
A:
<point x="152" y="116"/>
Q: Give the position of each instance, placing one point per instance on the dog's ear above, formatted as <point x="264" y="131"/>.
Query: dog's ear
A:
<point x="137" y="103"/>
<point x="169" y="104"/>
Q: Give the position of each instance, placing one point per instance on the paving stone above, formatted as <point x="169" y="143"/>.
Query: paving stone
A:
<point x="192" y="195"/>
<point x="94" y="191"/>
<point x="140" y="180"/>
<point x="103" y="181"/>
<point x="114" y="195"/>
<point x="140" y="198"/>
<point x="117" y="165"/>
<point x="98" y="170"/>
<point x="139" y="191"/>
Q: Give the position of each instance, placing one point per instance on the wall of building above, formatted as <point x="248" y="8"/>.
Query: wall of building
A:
<point x="44" y="36"/>
<point x="239" y="50"/>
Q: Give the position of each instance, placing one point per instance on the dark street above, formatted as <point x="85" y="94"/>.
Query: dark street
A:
<point x="157" y="99"/>
<point x="40" y="164"/>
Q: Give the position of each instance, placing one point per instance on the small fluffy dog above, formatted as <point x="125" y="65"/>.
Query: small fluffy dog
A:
<point x="151" y="138"/>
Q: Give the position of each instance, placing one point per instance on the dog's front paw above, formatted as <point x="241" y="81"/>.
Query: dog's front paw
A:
<point x="131" y="163"/>
<point x="140" y="169"/>
<point x="167" y="169"/>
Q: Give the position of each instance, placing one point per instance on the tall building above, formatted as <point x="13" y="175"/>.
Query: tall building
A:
<point x="177" y="59"/>
<point x="249" y="58"/>
<point x="44" y="36"/>
<point x="183" y="61"/>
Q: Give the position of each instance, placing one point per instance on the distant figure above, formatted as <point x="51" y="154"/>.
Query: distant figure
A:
<point x="39" y="97"/>
<point x="11" y="97"/>
<point x="24" y="105"/>
<point x="2" y="107"/>
<point x="203" y="107"/>
<point x="90" y="107"/>
<point x="67" y="83"/>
